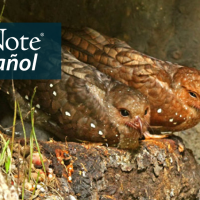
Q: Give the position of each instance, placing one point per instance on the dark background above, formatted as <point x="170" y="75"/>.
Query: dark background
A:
<point x="165" y="29"/>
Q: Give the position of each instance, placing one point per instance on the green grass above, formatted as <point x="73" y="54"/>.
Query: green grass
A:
<point x="7" y="152"/>
<point x="6" y="155"/>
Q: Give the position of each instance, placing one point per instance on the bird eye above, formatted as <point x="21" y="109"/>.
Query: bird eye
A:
<point x="146" y="111"/>
<point x="192" y="94"/>
<point x="124" y="112"/>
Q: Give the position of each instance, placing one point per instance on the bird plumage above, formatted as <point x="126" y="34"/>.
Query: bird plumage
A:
<point x="172" y="90"/>
<point x="86" y="105"/>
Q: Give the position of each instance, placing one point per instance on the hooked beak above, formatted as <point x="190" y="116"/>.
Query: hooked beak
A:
<point x="136" y="124"/>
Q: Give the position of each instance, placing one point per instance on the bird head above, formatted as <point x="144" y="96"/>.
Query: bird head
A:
<point x="131" y="110"/>
<point x="187" y="86"/>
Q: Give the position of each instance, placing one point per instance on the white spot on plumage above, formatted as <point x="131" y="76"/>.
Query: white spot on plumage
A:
<point x="54" y="93"/>
<point x="176" y="113"/>
<point x="67" y="113"/>
<point x="159" y="110"/>
<point x="180" y="115"/>
<point x="171" y="120"/>
<point x="51" y="85"/>
<point x="100" y="133"/>
<point x="175" y="123"/>
<point x="26" y="97"/>
<point x="92" y="125"/>
<point x="84" y="173"/>
<point x="38" y="105"/>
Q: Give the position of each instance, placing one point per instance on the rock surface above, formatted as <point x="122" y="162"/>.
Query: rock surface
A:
<point x="154" y="172"/>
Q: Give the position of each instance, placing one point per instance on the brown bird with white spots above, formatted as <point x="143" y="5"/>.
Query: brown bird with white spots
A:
<point x="86" y="105"/>
<point x="172" y="90"/>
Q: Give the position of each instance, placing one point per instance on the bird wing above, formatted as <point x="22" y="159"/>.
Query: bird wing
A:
<point x="111" y="56"/>
<point x="72" y="66"/>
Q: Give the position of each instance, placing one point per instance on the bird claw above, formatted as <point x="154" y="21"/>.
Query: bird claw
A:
<point x="148" y="135"/>
<point x="172" y="142"/>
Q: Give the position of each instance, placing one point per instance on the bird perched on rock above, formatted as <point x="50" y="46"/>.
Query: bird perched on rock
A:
<point x="172" y="90"/>
<point x="86" y="105"/>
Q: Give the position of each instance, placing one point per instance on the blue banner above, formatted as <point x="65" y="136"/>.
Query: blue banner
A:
<point x="30" y="50"/>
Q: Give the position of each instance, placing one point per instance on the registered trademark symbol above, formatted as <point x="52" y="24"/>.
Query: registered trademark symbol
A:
<point x="42" y="34"/>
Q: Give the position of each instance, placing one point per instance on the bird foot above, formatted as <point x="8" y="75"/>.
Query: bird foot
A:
<point x="89" y="145"/>
<point x="171" y="143"/>
<point x="148" y="135"/>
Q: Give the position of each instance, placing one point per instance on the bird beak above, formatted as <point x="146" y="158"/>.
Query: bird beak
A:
<point x="136" y="124"/>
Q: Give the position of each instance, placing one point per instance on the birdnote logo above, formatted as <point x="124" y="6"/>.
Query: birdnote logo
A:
<point x="30" y="50"/>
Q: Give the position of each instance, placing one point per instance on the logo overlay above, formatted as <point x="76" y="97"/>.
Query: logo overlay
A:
<point x="30" y="50"/>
